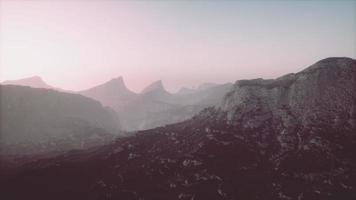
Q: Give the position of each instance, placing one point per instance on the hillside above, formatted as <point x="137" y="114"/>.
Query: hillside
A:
<point x="35" y="121"/>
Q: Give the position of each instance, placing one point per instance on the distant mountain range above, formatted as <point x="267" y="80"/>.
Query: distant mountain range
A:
<point x="293" y="137"/>
<point x="153" y="107"/>
<point x="156" y="107"/>
<point x="185" y="90"/>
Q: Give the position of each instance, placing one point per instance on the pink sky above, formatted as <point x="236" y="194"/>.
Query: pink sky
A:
<point x="78" y="44"/>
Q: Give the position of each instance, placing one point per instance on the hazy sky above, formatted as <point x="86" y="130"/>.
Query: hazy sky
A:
<point x="76" y="44"/>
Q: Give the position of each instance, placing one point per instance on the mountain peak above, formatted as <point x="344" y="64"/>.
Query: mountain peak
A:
<point x="37" y="78"/>
<point x="33" y="81"/>
<point x="319" y="86"/>
<point x="118" y="80"/>
<point x="113" y="93"/>
<point x="155" y="86"/>
<point x="332" y="62"/>
<point x="112" y="86"/>
<point x="115" y="84"/>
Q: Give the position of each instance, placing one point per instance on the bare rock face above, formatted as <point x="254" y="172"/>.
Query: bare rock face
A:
<point x="324" y="94"/>
<point x="326" y="88"/>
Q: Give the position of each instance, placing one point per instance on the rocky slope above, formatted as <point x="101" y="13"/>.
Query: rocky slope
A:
<point x="288" y="138"/>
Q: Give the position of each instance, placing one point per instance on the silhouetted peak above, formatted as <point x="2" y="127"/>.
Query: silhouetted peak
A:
<point x="35" y="78"/>
<point x="33" y="81"/>
<point x="117" y="80"/>
<point x="155" y="86"/>
<point x="110" y="87"/>
<point x="115" y="84"/>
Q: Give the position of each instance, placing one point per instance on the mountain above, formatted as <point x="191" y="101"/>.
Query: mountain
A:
<point x="143" y="112"/>
<point x="205" y="95"/>
<point x="205" y="86"/>
<point x="155" y="92"/>
<point x="113" y="93"/>
<point x="34" y="81"/>
<point x="287" y="138"/>
<point x="202" y="87"/>
<point x="156" y="107"/>
<point x="40" y="121"/>
<point x="156" y="86"/>
<point x="185" y="90"/>
<point x="146" y="113"/>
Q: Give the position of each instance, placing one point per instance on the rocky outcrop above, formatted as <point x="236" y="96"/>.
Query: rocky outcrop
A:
<point x="321" y="95"/>
<point x="325" y="89"/>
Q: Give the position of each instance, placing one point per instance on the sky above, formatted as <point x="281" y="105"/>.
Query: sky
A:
<point x="77" y="44"/>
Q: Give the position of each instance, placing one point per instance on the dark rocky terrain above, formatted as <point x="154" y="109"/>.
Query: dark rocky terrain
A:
<point x="288" y="138"/>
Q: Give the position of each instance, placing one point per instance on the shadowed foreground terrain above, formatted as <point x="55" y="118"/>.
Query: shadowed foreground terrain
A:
<point x="289" y="138"/>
